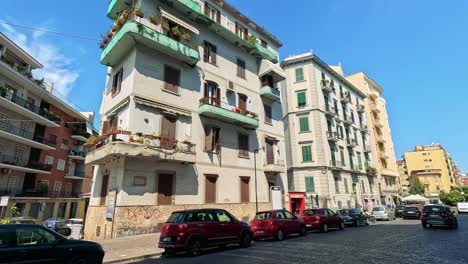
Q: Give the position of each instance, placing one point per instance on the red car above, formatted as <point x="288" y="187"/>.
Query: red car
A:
<point x="322" y="219"/>
<point x="192" y="230"/>
<point x="277" y="224"/>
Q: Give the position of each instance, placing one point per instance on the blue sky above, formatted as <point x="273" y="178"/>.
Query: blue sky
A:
<point x="416" y="50"/>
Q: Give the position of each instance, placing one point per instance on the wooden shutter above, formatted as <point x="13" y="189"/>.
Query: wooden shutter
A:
<point x="242" y="101"/>
<point x="208" y="139"/>
<point x="210" y="188"/>
<point x="206" y="51"/>
<point x="304" y="124"/>
<point x="301" y="99"/>
<point x="165" y="189"/>
<point x="218" y="96"/>
<point x="105" y="126"/>
<point x="243" y="145"/>
<point x="168" y="131"/>
<point x="267" y="114"/>
<point x="246" y="33"/>
<point x="213" y="52"/>
<point x="104" y="185"/>
<point x="217" y="139"/>
<point x="245" y="190"/>
<point x="270" y="155"/>
<point x="240" y="68"/>
<point x="207" y="9"/>
<point x="171" y="78"/>
<point x="218" y="16"/>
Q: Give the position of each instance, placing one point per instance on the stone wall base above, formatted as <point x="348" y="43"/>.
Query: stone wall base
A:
<point x="136" y="220"/>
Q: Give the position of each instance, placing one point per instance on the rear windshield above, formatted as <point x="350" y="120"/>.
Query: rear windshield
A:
<point x="176" y="218"/>
<point x="310" y="212"/>
<point x="263" y="216"/>
<point x="73" y="222"/>
<point x="26" y="221"/>
<point x="434" y="209"/>
<point x="378" y="209"/>
<point x="400" y="207"/>
<point x="411" y="208"/>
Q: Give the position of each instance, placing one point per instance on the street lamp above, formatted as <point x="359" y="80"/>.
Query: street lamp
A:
<point x="255" y="176"/>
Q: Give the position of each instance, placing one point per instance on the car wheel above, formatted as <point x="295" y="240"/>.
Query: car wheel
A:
<point x="194" y="247"/>
<point x="302" y="231"/>
<point x="279" y="235"/>
<point x="324" y="228"/>
<point x="169" y="252"/>
<point x="245" y="240"/>
<point x="341" y="226"/>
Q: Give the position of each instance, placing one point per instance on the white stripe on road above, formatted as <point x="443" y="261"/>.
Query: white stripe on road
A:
<point x="242" y="256"/>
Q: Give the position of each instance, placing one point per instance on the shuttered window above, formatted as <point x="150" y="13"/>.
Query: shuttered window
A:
<point x="299" y="74"/>
<point x="306" y="153"/>
<point x="304" y="124"/>
<point x="165" y="188"/>
<point x="212" y="12"/>
<point x="171" y="79"/>
<point x="309" y="183"/>
<point x="209" y="52"/>
<point x="168" y="131"/>
<point x="301" y="99"/>
<point x="212" y="139"/>
<point x="337" y="185"/>
<point x="342" y="156"/>
<point x="210" y="188"/>
<point x="243" y="145"/>
<point x="267" y="114"/>
<point x="117" y="82"/>
<point x="104" y="184"/>
<point x="346" y="185"/>
<point x="241" y="68"/>
<point x="245" y="189"/>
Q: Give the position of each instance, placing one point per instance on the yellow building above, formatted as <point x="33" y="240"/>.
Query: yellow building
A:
<point x="434" y="168"/>
<point x="403" y="172"/>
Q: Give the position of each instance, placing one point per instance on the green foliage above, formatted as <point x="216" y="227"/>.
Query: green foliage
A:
<point x="416" y="187"/>
<point x="454" y="196"/>
<point x="371" y="171"/>
<point x="4" y="221"/>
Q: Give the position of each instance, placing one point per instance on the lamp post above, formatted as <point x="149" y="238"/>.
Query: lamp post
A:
<point x="255" y="176"/>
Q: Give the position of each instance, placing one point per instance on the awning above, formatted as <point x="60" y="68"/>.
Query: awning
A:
<point x="170" y="109"/>
<point x="114" y="110"/>
<point x="268" y="67"/>
<point x="178" y="21"/>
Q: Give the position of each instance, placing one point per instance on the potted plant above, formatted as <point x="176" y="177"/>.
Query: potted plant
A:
<point x="154" y="18"/>
<point x="253" y="39"/>
<point x="110" y="34"/>
<point x="186" y="36"/>
<point x="165" y="25"/>
<point x="105" y="40"/>
<point x="138" y="12"/>
<point x="175" y="32"/>
<point x="39" y="81"/>
<point x="28" y="74"/>
<point x="102" y="45"/>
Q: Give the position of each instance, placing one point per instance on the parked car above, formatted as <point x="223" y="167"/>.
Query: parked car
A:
<point x="399" y="210"/>
<point x="76" y="227"/>
<point x="438" y="215"/>
<point x="21" y="220"/>
<point x="462" y="207"/>
<point x="192" y="230"/>
<point x="27" y="243"/>
<point x="58" y="225"/>
<point x="277" y="224"/>
<point x="411" y="211"/>
<point x="382" y="213"/>
<point x="322" y="219"/>
<point x="353" y="216"/>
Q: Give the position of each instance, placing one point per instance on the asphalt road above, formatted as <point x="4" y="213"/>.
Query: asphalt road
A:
<point x="399" y="241"/>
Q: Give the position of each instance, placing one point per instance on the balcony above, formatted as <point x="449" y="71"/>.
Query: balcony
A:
<point x="119" y="143"/>
<point x="270" y="93"/>
<point x="13" y="163"/>
<point x="375" y="108"/>
<point x="23" y="136"/>
<point x="355" y="168"/>
<point x="78" y="153"/>
<point x="12" y="101"/>
<point x="383" y="154"/>
<point x="360" y="108"/>
<point x="326" y="87"/>
<point x="276" y="166"/>
<point x="79" y="134"/>
<point x="213" y="108"/>
<point x="134" y="32"/>
<point x="364" y="128"/>
<point x="274" y="70"/>
<point x="378" y="122"/>
<point x="264" y="53"/>
<point x="330" y="111"/>
<point x="332" y="136"/>
<point x="347" y="120"/>
<point x="351" y="143"/>
<point x="77" y="174"/>
<point x="336" y="165"/>
<point x="380" y="138"/>
<point x="345" y="97"/>
<point x="367" y="149"/>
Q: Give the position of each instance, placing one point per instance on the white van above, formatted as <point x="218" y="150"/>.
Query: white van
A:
<point x="462" y="207"/>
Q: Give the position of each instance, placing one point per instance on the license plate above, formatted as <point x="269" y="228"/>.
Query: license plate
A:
<point x="260" y="232"/>
<point x="308" y="225"/>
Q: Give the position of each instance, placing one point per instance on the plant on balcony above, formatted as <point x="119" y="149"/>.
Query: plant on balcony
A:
<point x="102" y="45"/>
<point x="136" y="138"/>
<point x="39" y="82"/>
<point x="165" y="25"/>
<point x="120" y="21"/>
<point x="28" y="74"/>
<point x="175" y="32"/>
<point x="105" y="40"/>
<point x="186" y="36"/>
<point x="253" y="39"/>
<point x="110" y="34"/>
<point x="154" y="19"/>
<point x="138" y="12"/>
<point x="371" y="171"/>
<point x="6" y="60"/>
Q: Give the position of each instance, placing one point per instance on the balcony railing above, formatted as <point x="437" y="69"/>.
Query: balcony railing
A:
<point x="330" y="110"/>
<point x="326" y="87"/>
<point x="332" y="136"/>
<point x="345" y="97"/>
<point x="41" y="139"/>
<point x="337" y="164"/>
<point x="214" y="108"/>
<point x="347" y="119"/>
<point x="78" y="152"/>
<point x="364" y="128"/>
<point x="360" y="108"/>
<point x="14" y="161"/>
<point x="367" y="148"/>
<point x="270" y="93"/>
<point x="12" y="129"/>
<point x="351" y="142"/>
<point x="78" y="172"/>
<point x="13" y="97"/>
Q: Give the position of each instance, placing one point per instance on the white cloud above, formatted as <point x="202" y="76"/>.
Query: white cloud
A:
<point x="58" y="68"/>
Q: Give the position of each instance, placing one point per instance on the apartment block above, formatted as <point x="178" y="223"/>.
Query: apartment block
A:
<point x="191" y="116"/>
<point x="434" y="167"/>
<point x="382" y="142"/>
<point x="41" y="141"/>
<point x="328" y="143"/>
<point x="404" y="179"/>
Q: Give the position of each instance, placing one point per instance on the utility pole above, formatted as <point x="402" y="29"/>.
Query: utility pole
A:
<point x="255" y="176"/>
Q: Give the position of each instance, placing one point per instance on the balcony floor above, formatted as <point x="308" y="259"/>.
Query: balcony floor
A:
<point x="228" y="116"/>
<point x="25" y="169"/>
<point x="25" y="141"/>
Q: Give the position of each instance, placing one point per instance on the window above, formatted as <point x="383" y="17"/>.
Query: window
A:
<point x="268" y="114"/>
<point x="64" y="144"/>
<point x="117" y="82"/>
<point x="19" y="152"/>
<point x="68" y="189"/>
<point x="104" y="185"/>
<point x="171" y="79"/>
<point x="242" y="31"/>
<point x="241" y="68"/>
<point x="60" y="164"/>
<point x="309" y="183"/>
<point x="340" y="204"/>
<point x="243" y="145"/>
<point x="340" y="132"/>
<point x="299" y="74"/>
<point x="57" y="188"/>
<point x="4" y="121"/>
<point x="12" y="183"/>
<point x="346" y="186"/>
<point x="245" y="189"/>
<point x="301" y="99"/>
<point x="213" y="139"/>
<point x="52" y="139"/>
<point x="363" y="187"/>
<point x="337" y="185"/>
<point x="31" y="236"/>
<point x="342" y="156"/>
<point x="48" y="160"/>
<point x="263" y="43"/>
<point x="210" y="189"/>
<point x="288" y="215"/>
<point x="306" y="153"/>
<point x="212" y="12"/>
<point x="209" y="53"/>
<point x="304" y="124"/>
<point x="348" y="203"/>
<point x="223" y="216"/>
<point x="168" y="129"/>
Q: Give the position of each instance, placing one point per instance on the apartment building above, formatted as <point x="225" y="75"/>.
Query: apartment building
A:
<point x="403" y="172"/>
<point x="328" y="143"/>
<point x="381" y="141"/>
<point x="41" y="141"/>
<point x="434" y="167"/>
<point x="191" y="116"/>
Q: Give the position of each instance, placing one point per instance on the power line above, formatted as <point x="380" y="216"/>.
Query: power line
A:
<point x="50" y="31"/>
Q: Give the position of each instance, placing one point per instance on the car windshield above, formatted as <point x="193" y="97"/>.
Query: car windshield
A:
<point x="434" y="209"/>
<point x="74" y="222"/>
<point x="60" y="224"/>
<point x="345" y="211"/>
<point x="400" y="207"/>
<point x="263" y="216"/>
<point x="175" y="218"/>
<point x="411" y="208"/>
<point x="310" y="212"/>
<point x="380" y="208"/>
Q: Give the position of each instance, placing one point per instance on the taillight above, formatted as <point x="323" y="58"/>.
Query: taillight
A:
<point x="385" y="212"/>
<point x="350" y="215"/>
<point x="424" y="214"/>
<point x="181" y="227"/>
<point x="444" y="214"/>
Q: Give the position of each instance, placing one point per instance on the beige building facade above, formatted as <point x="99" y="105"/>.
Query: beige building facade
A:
<point x="404" y="179"/>
<point x="191" y="116"/>
<point x="381" y="140"/>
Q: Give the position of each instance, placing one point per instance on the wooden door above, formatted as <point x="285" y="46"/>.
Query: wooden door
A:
<point x="105" y="182"/>
<point x="165" y="188"/>
<point x="168" y="131"/>
<point x="242" y="101"/>
<point x="245" y="190"/>
<point x="270" y="155"/>
<point x="210" y="188"/>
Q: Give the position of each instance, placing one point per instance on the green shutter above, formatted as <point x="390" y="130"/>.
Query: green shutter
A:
<point x="343" y="162"/>
<point x="310" y="185"/>
<point x="304" y="124"/>
<point x="306" y="153"/>
<point x="346" y="185"/>
<point x="299" y="74"/>
<point x="301" y="99"/>
<point x="359" y="160"/>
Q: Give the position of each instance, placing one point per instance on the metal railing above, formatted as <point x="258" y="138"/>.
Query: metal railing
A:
<point x="331" y="110"/>
<point x="332" y="135"/>
<point x="217" y="102"/>
<point x="277" y="162"/>
<point x="76" y="151"/>
<point x="351" y="142"/>
<point x="336" y="163"/>
<point x="19" y="131"/>
<point x="15" y="161"/>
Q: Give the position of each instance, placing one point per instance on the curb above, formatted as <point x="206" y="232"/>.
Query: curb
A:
<point x="143" y="257"/>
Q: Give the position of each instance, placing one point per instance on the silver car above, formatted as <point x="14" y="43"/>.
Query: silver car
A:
<point x="383" y="213"/>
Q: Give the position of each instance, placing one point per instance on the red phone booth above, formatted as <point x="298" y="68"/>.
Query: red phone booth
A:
<point x="297" y="202"/>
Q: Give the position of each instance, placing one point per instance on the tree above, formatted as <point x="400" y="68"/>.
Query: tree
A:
<point x="416" y="187"/>
<point x="454" y="196"/>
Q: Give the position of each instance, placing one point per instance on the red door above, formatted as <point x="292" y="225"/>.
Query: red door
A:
<point x="333" y="219"/>
<point x="229" y="230"/>
<point x="293" y="224"/>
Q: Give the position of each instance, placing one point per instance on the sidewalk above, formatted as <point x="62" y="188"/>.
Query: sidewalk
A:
<point x="123" y="249"/>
